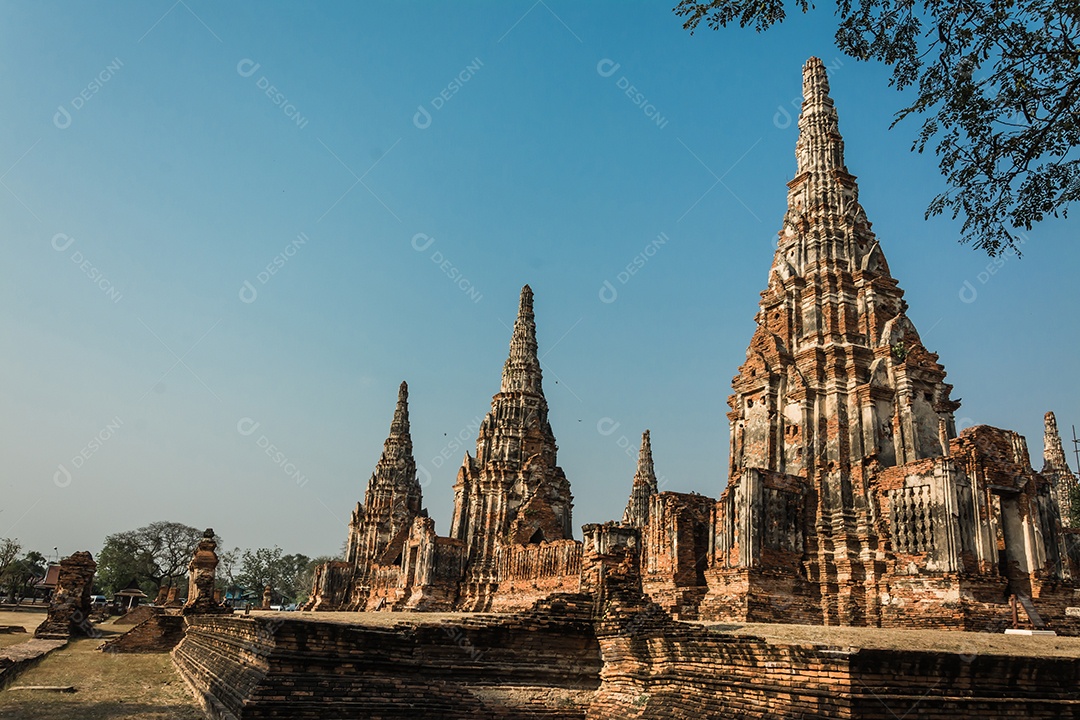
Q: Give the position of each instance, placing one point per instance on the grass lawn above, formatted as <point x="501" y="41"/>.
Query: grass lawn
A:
<point x="28" y="620"/>
<point x="108" y="686"/>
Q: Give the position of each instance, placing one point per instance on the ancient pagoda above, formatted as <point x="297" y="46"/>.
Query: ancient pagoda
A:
<point x="850" y="498"/>
<point x="1057" y="470"/>
<point x="512" y="492"/>
<point x="380" y="525"/>
<point x="643" y="488"/>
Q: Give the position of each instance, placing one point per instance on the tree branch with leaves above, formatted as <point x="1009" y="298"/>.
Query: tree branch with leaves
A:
<point x="998" y="89"/>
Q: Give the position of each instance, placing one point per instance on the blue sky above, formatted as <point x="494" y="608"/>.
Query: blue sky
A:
<point x="403" y="169"/>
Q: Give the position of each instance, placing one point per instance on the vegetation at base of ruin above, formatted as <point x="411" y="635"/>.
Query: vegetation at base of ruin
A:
<point x="107" y="686"/>
<point x="9" y="550"/>
<point x="998" y="88"/>
<point x="154" y="555"/>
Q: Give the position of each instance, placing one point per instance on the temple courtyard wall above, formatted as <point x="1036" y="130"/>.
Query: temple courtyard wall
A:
<point x="636" y="662"/>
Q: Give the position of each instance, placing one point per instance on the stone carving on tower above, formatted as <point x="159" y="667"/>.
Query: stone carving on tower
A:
<point x="513" y="491"/>
<point x="847" y="483"/>
<point x="835" y="372"/>
<point x="850" y="497"/>
<point x="1056" y="469"/>
<point x="644" y="487"/>
<point x="202" y="577"/>
<point x="380" y="525"/>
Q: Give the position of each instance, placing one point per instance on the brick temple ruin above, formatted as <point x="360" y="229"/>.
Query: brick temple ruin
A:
<point x="850" y="499"/>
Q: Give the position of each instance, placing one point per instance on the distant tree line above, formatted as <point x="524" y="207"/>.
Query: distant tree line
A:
<point x="157" y="555"/>
<point x="18" y="574"/>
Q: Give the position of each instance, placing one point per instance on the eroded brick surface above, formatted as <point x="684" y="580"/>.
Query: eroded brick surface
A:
<point x="850" y="499"/>
<point x="69" y="610"/>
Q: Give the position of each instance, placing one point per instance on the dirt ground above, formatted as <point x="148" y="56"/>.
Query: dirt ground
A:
<point x="27" y="620"/>
<point x="107" y="687"/>
<point x="944" y="641"/>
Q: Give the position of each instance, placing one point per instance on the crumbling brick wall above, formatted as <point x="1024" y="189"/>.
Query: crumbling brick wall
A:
<point x="69" y="611"/>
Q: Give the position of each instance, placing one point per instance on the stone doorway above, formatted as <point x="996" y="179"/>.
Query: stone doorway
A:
<point x="1012" y="544"/>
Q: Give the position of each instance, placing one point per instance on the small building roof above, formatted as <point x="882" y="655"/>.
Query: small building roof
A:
<point x="132" y="590"/>
<point x="52" y="575"/>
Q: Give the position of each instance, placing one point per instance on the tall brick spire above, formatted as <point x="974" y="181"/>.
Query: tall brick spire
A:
<point x="1056" y="468"/>
<point x="513" y="491"/>
<point x="644" y="487"/>
<point x="399" y="426"/>
<point x="393" y="497"/>
<point x="820" y="147"/>
<point x="1053" y="452"/>
<point x="836" y="375"/>
<point x="521" y="373"/>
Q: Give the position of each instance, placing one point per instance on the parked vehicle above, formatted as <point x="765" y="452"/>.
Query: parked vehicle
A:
<point x="98" y="601"/>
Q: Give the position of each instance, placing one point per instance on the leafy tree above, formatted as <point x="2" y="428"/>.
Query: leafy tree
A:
<point x="306" y="578"/>
<point x="20" y="574"/>
<point x="9" y="552"/>
<point x="155" y="555"/>
<point x="998" y="87"/>
<point x="270" y="566"/>
<point x="227" y="569"/>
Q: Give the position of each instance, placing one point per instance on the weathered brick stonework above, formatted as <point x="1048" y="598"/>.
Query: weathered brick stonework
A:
<point x="159" y="632"/>
<point x="850" y="499"/>
<point x="1056" y="470"/>
<point x="560" y="661"/>
<point x="69" y="611"/>
<point x="643" y="488"/>
<point x="202" y="573"/>
<point x="138" y="614"/>
<point x="511" y="540"/>
<point x="542" y="664"/>
<point x="513" y="491"/>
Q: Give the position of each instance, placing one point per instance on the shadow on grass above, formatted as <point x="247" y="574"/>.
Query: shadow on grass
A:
<point x="45" y="707"/>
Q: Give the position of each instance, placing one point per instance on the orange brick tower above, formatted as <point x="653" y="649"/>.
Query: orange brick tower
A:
<point x="513" y="491"/>
<point x="380" y="525"/>
<point x="644" y="487"/>
<point x="836" y="378"/>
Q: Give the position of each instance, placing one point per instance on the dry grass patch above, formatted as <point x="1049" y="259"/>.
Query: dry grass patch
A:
<point x="26" y="620"/>
<point x="108" y="686"/>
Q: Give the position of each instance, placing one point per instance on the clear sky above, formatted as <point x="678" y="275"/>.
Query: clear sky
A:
<point x="221" y="214"/>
